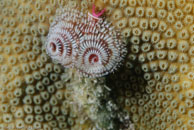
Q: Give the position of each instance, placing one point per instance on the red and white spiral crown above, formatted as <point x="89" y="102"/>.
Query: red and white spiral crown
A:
<point x="86" y="42"/>
<point x="62" y="39"/>
<point x="100" y="50"/>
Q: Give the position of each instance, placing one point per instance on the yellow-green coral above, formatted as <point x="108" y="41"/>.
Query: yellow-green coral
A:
<point x="160" y="42"/>
<point x="155" y="86"/>
<point x="36" y="93"/>
<point x="33" y="90"/>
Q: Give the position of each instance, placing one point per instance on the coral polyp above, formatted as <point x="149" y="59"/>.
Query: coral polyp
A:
<point x="85" y="42"/>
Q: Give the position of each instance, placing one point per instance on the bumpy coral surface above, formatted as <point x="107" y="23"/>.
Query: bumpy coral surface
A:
<point x="155" y="86"/>
<point x="36" y="93"/>
<point x="32" y="89"/>
<point x="161" y="39"/>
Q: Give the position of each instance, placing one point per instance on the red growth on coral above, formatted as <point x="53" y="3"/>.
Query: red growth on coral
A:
<point x="94" y="13"/>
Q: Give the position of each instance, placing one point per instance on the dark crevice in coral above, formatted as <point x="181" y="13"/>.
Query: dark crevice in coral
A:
<point x="126" y="82"/>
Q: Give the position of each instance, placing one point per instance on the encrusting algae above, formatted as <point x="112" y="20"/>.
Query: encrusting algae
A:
<point x="154" y="87"/>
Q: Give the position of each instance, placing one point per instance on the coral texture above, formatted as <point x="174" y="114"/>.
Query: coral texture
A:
<point x="158" y="73"/>
<point x="33" y="93"/>
<point x="36" y="93"/>
<point x="155" y="87"/>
